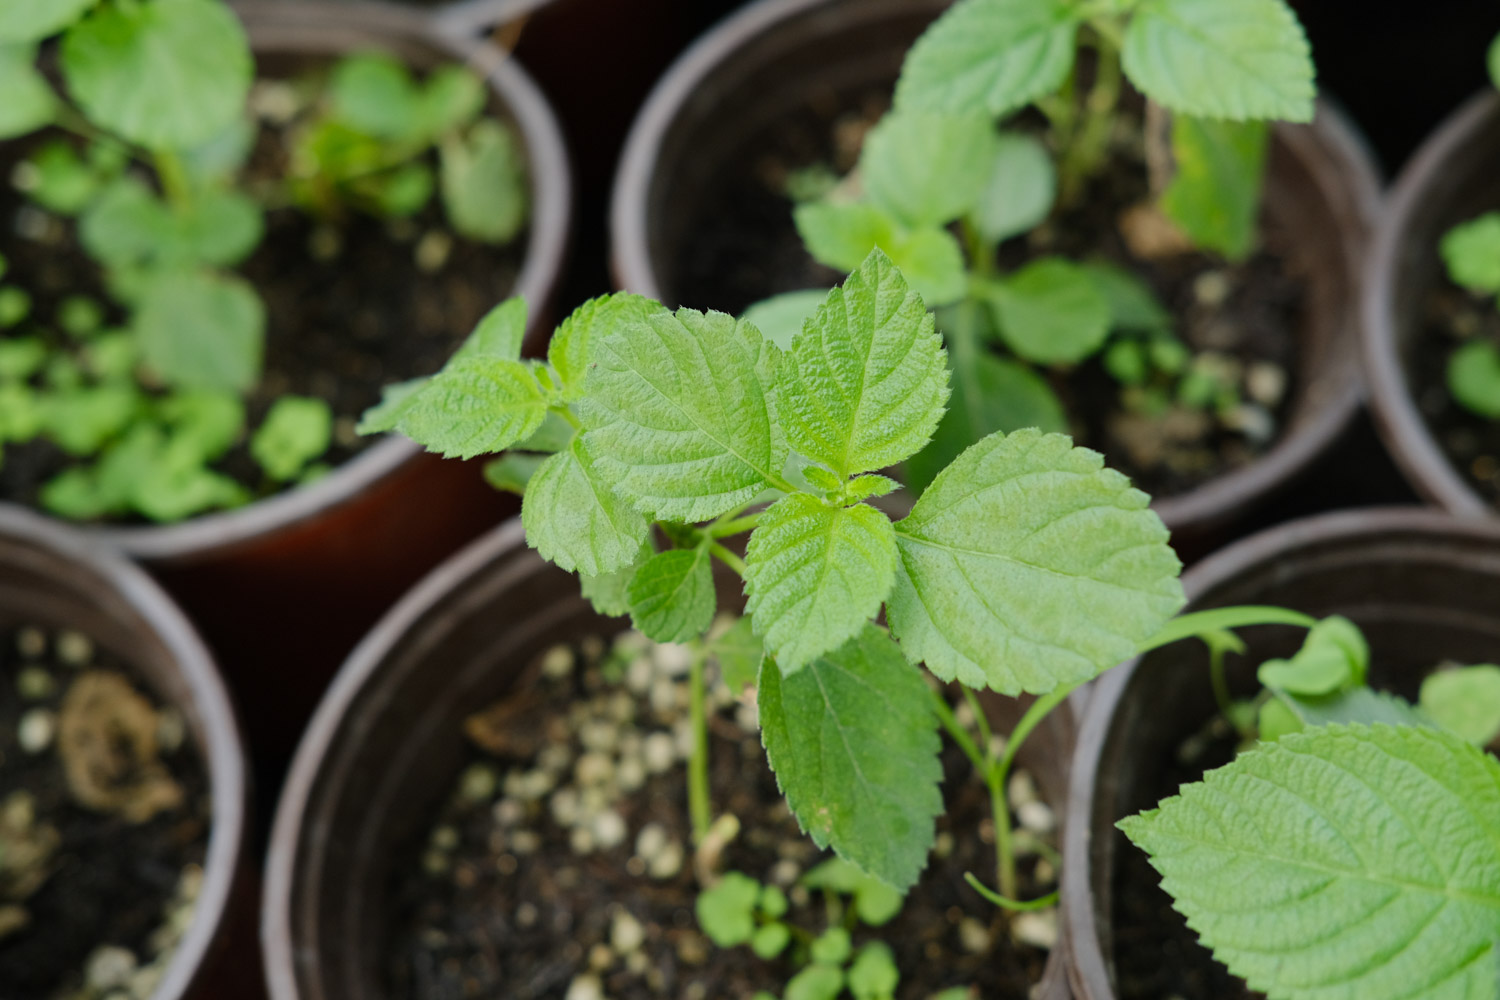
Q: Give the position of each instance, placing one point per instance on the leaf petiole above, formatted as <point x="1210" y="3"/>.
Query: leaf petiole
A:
<point x="1198" y="623"/>
<point x="727" y="557"/>
<point x="1005" y="902"/>
<point x="739" y="525"/>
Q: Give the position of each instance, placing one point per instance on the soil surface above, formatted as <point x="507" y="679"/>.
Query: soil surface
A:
<point x="104" y="822"/>
<point x="1247" y="313"/>
<point x="562" y="867"/>
<point x="351" y="307"/>
<point x="1452" y="315"/>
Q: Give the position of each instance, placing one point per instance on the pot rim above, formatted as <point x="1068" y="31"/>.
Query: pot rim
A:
<point x="1332" y="138"/>
<point x="224" y="756"/>
<point x="1401" y="426"/>
<point x="1090" y="967"/>
<point x="224" y="532"/>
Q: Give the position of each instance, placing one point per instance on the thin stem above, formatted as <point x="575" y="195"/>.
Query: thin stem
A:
<point x="1216" y="672"/>
<point x="959" y="733"/>
<point x="981" y="721"/>
<point x="1007" y="902"/>
<point x="698" y="793"/>
<point x="566" y="412"/>
<point x="981" y="259"/>
<point x="1088" y="146"/>
<point x="1005" y="859"/>
<point x="728" y="558"/>
<point x="723" y="529"/>
<point x="174" y="178"/>
<point x="1196" y="624"/>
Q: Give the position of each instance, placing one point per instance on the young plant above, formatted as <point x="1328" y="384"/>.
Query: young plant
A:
<point x="1352" y="851"/>
<point x="1223" y="67"/>
<point x="146" y="392"/>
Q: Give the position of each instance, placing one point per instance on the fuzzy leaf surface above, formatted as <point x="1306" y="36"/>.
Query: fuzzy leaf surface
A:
<point x="169" y="74"/>
<point x="854" y="745"/>
<point x="28" y="103"/>
<point x="1232" y="59"/>
<point x="1027" y="565"/>
<point x="499" y="334"/>
<point x="474" y="406"/>
<point x="815" y="574"/>
<point x="990" y="56"/>
<point x="681" y="415"/>
<point x="575" y="520"/>
<point x="1215" y="195"/>
<point x="925" y="168"/>
<point x="1344" y="862"/>
<point x="866" y="379"/>
<point x="672" y="595"/>
<point x="571" y="349"/>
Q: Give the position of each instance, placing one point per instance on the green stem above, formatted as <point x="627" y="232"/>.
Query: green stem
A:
<point x="698" y="793"/>
<point x="1088" y="145"/>
<point x="174" y="178"/>
<point x="1220" y="682"/>
<point x="728" y="558"/>
<point x="981" y="721"/>
<point x="1007" y="902"/>
<point x="999" y="772"/>
<point x="1193" y="625"/>
<point x="981" y="255"/>
<point x="723" y="529"/>
<point x="959" y="733"/>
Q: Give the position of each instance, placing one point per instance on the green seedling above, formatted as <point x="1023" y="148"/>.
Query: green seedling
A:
<point x="154" y="110"/>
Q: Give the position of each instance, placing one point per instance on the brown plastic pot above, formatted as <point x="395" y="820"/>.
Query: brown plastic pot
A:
<point x="1424" y="586"/>
<point x="59" y="578"/>
<point x="759" y="65"/>
<point x="1451" y="179"/>
<point x="283" y="588"/>
<point x="387" y="743"/>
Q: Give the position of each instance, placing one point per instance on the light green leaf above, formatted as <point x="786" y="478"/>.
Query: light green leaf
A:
<point x="200" y="330"/>
<point x="739" y="654"/>
<point x="1472" y="253"/>
<point x="1347" y="861"/>
<point x="672" y="595"/>
<point x="1359" y="704"/>
<point x="21" y="357"/>
<point x="815" y="574"/>
<point x="474" y="406"/>
<point x="168" y="74"/>
<point x="1214" y="197"/>
<point x="571" y="350"/>
<point x="29" y="103"/>
<point x="126" y="224"/>
<point x="483" y="177"/>
<point x="574" y="519"/>
<point x="395" y="401"/>
<point x="680" y="415"/>
<point x="874" y="975"/>
<point x="816" y="982"/>
<point x="854" y="745"/>
<point x="1474" y="378"/>
<point x="82" y="420"/>
<point x="933" y="264"/>
<point x="1234" y="59"/>
<point x="1132" y="304"/>
<point x="373" y="93"/>
<point x="1465" y="701"/>
<point x="607" y="592"/>
<point x="296" y="431"/>
<point x="1027" y="565"/>
<point x="207" y="423"/>
<point x="770" y="940"/>
<point x="780" y="318"/>
<point x="512" y="471"/>
<point x="875" y="902"/>
<point x="57" y="178"/>
<point x="832" y="947"/>
<point x="726" y="911"/>
<point x="991" y="56"/>
<point x="222" y="228"/>
<point x="1493" y="61"/>
<point x="866" y="380"/>
<point x="452" y="97"/>
<point x="1020" y="191"/>
<point x="1050" y="312"/>
<point x="925" y="168"/>
<point x="499" y="334"/>
<point x="1334" y="655"/>
<point x="841" y="235"/>
<point x="34" y="20"/>
<point x="216" y="161"/>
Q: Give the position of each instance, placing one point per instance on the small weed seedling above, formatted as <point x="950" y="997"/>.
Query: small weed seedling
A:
<point x="1223" y="68"/>
<point x="1471" y="252"/>
<point x="145" y="392"/>
<point x="1352" y="852"/>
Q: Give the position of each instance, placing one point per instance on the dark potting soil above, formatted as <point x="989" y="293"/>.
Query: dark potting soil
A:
<point x="745" y="248"/>
<point x="99" y="891"/>
<point x="1450" y="316"/>
<point x="521" y="897"/>
<point x="348" y="310"/>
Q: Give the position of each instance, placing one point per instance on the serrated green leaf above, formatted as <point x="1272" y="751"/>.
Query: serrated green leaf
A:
<point x="483" y="178"/>
<point x="1474" y="378"/>
<point x="1347" y="861"/>
<point x="1027" y="565"/>
<point x="726" y="911"/>
<point x="1359" y="704"/>
<point x="374" y="93"/>
<point x="574" y="519"/>
<point x="1132" y="304"/>
<point x="926" y="168"/>
<point x="29" y="103"/>
<point x="607" y="591"/>
<point x="1472" y="253"/>
<point x="1214" y="197"/>
<point x="1020" y="191"/>
<point x="512" y="471"/>
<point x="1234" y="59"/>
<point x="739" y="653"/>
<point x="991" y="56"/>
<point x="842" y="234"/>
<point x="1465" y="701"/>
<point x="201" y="330"/>
<point x="499" y="334"/>
<point x="169" y="74"/>
<point x="854" y="745"/>
<point x="296" y="431"/>
<point x="571" y="350"/>
<point x="815" y="574"/>
<point x="672" y="595"/>
<point x="866" y="379"/>
<point x="34" y="20"/>
<point x="780" y="318"/>
<point x="680" y="416"/>
<point x="395" y="400"/>
<point x="475" y="406"/>
<point x="1050" y="312"/>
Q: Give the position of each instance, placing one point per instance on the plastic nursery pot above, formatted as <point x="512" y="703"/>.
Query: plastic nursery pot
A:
<point x="1450" y="180"/>
<point x="776" y="57"/>
<point x="283" y="588"/>
<point x="387" y="744"/>
<point x="56" y="578"/>
<point x="1422" y="585"/>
